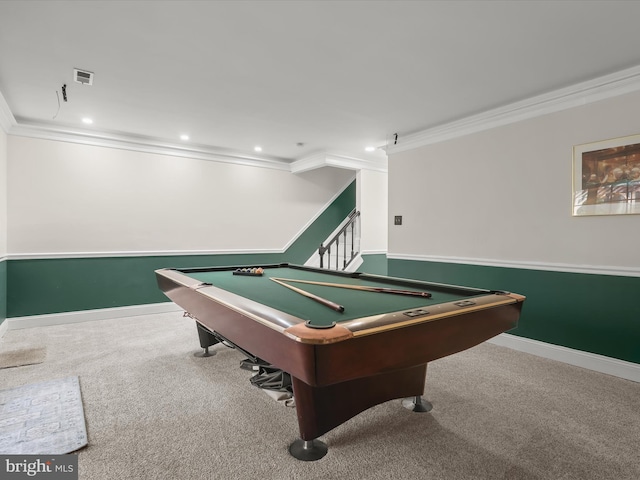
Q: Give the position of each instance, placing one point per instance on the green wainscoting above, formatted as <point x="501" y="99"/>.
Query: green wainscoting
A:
<point x="592" y="313"/>
<point x="3" y="291"/>
<point x="57" y="285"/>
<point x="374" y="263"/>
<point x="44" y="286"/>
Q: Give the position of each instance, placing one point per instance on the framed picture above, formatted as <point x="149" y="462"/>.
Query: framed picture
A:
<point x="606" y="177"/>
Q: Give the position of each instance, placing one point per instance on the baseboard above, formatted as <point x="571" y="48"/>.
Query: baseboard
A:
<point x="4" y="326"/>
<point x="578" y="358"/>
<point x="15" y="323"/>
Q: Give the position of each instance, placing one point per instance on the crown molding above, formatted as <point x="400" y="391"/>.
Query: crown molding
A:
<point x="325" y="159"/>
<point x="7" y="121"/>
<point x="25" y="128"/>
<point x="44" y="131"/>
<point x="612" y="85"/>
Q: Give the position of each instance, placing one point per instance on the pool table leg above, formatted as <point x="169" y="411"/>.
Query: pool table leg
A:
<point x="323" y="408"/>
<point x="206" y="340"/>
<point x="308" y="450"/>
<point x="417" y="404"/>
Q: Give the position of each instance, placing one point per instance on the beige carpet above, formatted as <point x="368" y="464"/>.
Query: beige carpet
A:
<point x="21" y="357"/>
<point x="154" y="411"/>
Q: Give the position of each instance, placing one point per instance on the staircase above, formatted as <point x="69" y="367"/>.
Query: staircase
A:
<point x="341" y="250"/>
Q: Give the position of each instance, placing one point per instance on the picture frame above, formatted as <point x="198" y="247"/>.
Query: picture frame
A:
<point x="606" y="177"/>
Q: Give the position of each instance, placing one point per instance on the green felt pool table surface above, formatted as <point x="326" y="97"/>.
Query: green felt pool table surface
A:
<point x="356" y="303"/>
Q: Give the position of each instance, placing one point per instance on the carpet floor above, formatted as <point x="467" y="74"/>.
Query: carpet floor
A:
<point x="154" y="411"/>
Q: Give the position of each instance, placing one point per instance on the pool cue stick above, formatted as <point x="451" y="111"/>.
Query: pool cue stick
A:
<point x="363" y="288"/>
<point x="323" y="301"/>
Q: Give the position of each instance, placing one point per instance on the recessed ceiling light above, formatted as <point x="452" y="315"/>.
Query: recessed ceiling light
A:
<point x="87" y="120"/>
<point x="184" y="137"/>
<point x="257" y="148"/>
<point x="370" y="149"/>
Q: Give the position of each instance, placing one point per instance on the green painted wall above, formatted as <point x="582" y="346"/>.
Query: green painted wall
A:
<point x="376" y="263"/>
<point x="592" y="313"/>
<point x="45" y="286"/>
<point x="3" y="291"/>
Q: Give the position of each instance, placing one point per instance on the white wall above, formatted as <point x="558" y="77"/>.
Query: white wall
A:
<point x="3" y="194"/>
<point x="73" y="198"/>
<point x="372" y="199"/>
<point x="505" y="193"/>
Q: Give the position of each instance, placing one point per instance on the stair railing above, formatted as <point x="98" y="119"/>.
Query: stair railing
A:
<point x="350" y="250"/>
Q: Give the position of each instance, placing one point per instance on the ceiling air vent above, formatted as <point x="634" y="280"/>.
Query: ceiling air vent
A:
<point x="82" y="76"/>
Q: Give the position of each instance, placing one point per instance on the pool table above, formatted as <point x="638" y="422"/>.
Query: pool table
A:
<point x="341" y="362"/>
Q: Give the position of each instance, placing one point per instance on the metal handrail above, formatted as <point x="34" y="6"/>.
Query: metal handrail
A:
<point x="348" y="227"/>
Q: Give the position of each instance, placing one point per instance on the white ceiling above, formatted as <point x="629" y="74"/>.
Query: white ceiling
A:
<point x="335" y="76"/>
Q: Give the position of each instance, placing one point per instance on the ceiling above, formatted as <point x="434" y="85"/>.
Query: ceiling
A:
<point x="298" y="78"/>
